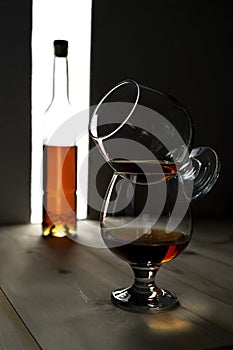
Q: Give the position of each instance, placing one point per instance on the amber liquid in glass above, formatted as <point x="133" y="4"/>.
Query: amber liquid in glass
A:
<point x="133" y="244"/>
<point x="59" y="190"/>
<point x="150" y="249"/>
<point x="147" y="172"/>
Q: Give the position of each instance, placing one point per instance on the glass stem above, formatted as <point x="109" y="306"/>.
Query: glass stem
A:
<point x="145" y="278"/>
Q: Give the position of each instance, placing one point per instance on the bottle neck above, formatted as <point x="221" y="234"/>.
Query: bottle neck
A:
<point x="60" y="81"/>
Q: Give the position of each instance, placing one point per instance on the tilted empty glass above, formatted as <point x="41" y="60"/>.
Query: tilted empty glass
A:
<point x="134" y="122"/>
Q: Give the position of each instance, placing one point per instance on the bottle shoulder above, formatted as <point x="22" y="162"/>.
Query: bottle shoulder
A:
<point x="59" y="106"/>
<point x="55" y="124"/>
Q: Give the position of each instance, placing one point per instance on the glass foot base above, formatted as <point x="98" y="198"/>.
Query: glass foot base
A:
<point x="144" y="302"/>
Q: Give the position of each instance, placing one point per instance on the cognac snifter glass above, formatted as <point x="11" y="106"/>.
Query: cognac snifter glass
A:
<point x="146" y="137"/>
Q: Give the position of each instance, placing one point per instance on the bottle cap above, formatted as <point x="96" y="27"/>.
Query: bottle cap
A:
<point x="60" y="48"/>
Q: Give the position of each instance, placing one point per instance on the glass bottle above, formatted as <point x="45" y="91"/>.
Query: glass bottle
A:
<point x="59" y="156"/>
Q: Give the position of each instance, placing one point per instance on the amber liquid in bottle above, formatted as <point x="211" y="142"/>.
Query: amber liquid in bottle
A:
<point x="59" y="190"/>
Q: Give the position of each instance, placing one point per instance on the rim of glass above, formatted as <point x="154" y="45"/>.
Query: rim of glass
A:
<point x="138" y="88"/>
<point x="128" y="81"/>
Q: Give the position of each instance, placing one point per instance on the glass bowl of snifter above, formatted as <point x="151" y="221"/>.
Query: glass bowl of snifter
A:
<point x="146" y="137"/>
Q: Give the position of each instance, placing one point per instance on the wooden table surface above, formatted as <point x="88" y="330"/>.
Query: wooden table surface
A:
<point x="55" y="293"/>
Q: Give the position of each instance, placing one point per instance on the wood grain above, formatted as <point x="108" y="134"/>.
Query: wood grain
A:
<point x="13" y="333"/>
<point x="61" y="290"/>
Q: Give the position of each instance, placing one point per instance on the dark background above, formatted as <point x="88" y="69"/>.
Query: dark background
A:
<point x="184" y="48"/>
<point x="180" y="47"/>
<point x="15" y="110"/>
